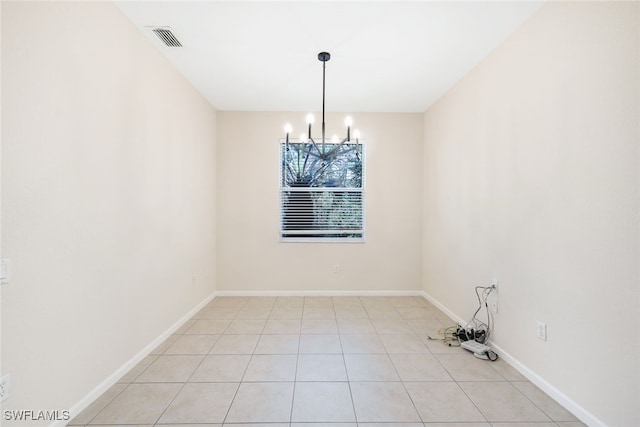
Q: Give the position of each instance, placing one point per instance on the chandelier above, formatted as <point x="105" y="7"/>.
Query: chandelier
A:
<point x="326" y="151"/>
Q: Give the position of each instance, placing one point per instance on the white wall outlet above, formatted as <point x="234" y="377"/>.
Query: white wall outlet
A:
<point x="492" y="301"/>
<point x="542" y="331"/>
<point x="4" y="387"/>
<point x="4" y="271"/>
<point x="336" y="268"/>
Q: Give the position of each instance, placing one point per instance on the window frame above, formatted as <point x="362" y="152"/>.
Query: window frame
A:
<point x="282" y="232"/>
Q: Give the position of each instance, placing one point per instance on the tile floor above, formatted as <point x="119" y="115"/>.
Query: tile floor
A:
<point x="344" y="361"/>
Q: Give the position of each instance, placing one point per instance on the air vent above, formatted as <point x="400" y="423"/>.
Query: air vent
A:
<point x="167" y="37"/>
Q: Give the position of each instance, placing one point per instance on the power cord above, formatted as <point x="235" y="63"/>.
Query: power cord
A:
<point x="475" y="329"/>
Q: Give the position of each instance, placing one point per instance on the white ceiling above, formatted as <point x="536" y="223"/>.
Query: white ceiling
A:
<point x="389" y="56"/>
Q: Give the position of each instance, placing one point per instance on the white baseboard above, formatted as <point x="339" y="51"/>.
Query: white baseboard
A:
<point x="114" y="377"/>
<point x="582" y="414"/>
<point x="570" y="405"/>
<point x="316" y="293"/>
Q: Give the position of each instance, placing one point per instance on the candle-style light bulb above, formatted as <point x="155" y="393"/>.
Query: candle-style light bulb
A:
<point x="348" y="121"/>
<point x="310" y="120"/>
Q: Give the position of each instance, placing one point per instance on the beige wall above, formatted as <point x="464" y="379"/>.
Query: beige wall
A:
<point x="531" y="176"/>
<point x="250" y="256"/>
<point x="108" y="198"/>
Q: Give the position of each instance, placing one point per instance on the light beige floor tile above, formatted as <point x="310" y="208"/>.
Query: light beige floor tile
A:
<point x="170" y="369"/>
<point x="553" y="409"/>
<point x="318" y="313"/>
<point x="382" y="402"/>
<point x="137" y="370"/>
<point x="127" y="425"/>
<point x="262" y="403"/>
<point x="391" y="326"/>
<point x="257" y="425"/>
<point x="404" y="301"/>
<point x="235" y="344"/>
<point x="438" y="347"/>
<point x="426" y="327"/>
<point x="321" y="367"/>
<point x="466" y="367"/>
<point x="278" y="344"/>
<point x="403" y="343"/>
<point x="534" y="424"/>
<point x="231" y="302"/>
<point x="190" y="425"/>
<point x="221" y="368"/>
<point x="351" y="313"/>
<point x="401" y="425"/>
<point x="219" y="312"/>
<point x="260" y="302"/>
<point x="362" y="344"/>
<point x="320" y="344"/>
<point x="138" y="404"/>
<point x="319" y="326"/>
<point x="322" y="402"/>
<point x="376" y="303"/>
<point x="318" y="302"/>
<point x="570" y="424"/>
<point x="165" y="345"/>
<point x="282" y="326"/>
<point x="419" y="367"/>
<point x="370" y="367"/>
<point x="507" y="371"/>
<point x="285" y="302"/>
<point x="208" y="326"/>
<point x="347" y="302"/>
<point x="267" y="367"/>
<point x="355" y="326"/>
<point x="414" y="313"/>
<point x="97" y="405"/>
<point x="193" y="344"/>
<point x="259" y="312"/>
<point x="245" y="326"/>
<point x="201" y="403"/>
<point x="456" y="425"/>
<point x="326" y="425"/>
<point x="287" y="308"/>
<point x="186" y="325"/>
<point x="286" y="313"/>
<point x="442" y="402"/>
<point x="490" y="398"/>
<point x="383" y="313"/>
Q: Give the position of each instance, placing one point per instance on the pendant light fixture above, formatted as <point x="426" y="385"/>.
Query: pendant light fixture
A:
<point x="325" y="151"/>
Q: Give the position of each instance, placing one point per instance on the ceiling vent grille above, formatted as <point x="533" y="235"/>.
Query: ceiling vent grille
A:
<point x="167" y="37"/>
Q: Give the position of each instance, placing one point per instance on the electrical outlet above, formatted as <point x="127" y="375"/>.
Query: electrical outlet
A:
<point x="493" y="302"/>
<point x="494" y="283"/>
<point x="4" y="387"/>
<point x="336" y="268"/>
<point x="542" y="331"/>
<point x="5" y="271"/>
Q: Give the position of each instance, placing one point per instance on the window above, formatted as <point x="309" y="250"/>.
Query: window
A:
<point x="321" y="192"/>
